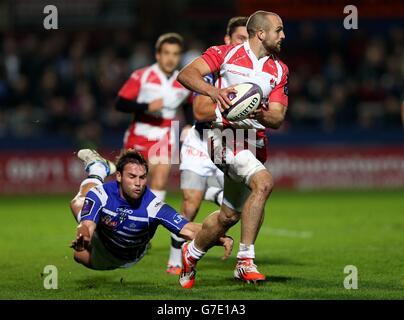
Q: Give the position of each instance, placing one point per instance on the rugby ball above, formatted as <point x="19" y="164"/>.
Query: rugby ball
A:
<point x="246" y="100"/>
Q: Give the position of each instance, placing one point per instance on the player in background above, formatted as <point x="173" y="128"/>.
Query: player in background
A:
<point x="154" y="95"/>
<point x="247" y="183"/>
<point x="200" y="178"/>
<point x="118" y="219"/>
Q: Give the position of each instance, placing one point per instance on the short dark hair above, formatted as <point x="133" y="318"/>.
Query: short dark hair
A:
<point x="172" y="38"/>
<point x="130" y="156"/>
<point x="257" y="21"/>
<point x="234" y="23"/>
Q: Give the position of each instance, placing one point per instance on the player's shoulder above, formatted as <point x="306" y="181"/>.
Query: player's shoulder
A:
<point x="284" y="66"/>
<point x="276" y="66"/>
<point x="151" y="203"/>
<point x="137" y="74"/>
<point x="149" y="197"/>
<point x="221" y="50"/>
<point x="100" y="192"/>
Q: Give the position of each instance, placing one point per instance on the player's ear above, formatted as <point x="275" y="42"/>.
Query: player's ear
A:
<point x="118" y="177"/>
<point x="226" y="39"/>
<point x="261" y="35"/>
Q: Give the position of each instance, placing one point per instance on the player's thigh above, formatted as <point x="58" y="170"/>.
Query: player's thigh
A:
<point x="159" y="174"/>
<point x="193" y="180"/>
<point x="235" y="194"/>
<point x="262" y="182"/>
<point x="193" y="187"/>
<point x="244" y="166"/>
<point x="192" y="200"/>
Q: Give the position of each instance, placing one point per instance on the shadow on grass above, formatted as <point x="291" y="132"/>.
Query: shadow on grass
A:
<point x="216" y="263"/>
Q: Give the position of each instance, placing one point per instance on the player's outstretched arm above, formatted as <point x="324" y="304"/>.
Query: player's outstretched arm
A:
<point x="191" y="229"/>
<point x="81" y="245"/>
<point x="271" y="116"/>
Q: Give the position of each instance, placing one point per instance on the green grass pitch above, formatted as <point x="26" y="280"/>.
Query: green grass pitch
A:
<point x="306" y="241"/>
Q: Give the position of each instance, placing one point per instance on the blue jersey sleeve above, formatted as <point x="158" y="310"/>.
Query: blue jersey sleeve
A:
<point x="170" y="219"/>
<point x="91" y="207"/>
<point x="209" y="78"/>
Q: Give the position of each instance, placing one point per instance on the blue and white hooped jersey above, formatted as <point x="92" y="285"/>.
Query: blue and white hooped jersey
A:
<point x="125" y="228"/>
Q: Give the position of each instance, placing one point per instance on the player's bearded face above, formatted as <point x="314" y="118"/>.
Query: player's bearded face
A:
<point x="169" y="57"/>
<point x="274" y="37"/>
<point x="132" y="181"/>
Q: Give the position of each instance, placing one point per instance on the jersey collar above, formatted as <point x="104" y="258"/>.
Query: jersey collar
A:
<point x="162" y="75"/>
<point x="256" y="62"/>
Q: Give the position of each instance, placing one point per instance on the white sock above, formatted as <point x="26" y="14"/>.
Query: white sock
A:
<point x="97" y="169"/>
<point x="194" y="252"/>
<point x="214" y="194"/>
<point x="246" y="251"/>
<point x="175" y="252"/>
<point x="161" y="194"/>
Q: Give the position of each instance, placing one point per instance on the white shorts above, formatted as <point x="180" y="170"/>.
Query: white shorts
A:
<point x="192" y="180"/>
<point x="195" y="156"/>
<point x="239" y="169"/>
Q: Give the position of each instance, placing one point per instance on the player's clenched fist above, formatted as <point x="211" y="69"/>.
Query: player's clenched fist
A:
<point x="82" y="241"/>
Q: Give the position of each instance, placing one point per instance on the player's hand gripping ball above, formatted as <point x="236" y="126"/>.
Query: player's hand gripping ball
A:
<point x="244" y="102"/>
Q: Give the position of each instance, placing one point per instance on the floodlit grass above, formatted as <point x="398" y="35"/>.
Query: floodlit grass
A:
<point x="306" y="241"/>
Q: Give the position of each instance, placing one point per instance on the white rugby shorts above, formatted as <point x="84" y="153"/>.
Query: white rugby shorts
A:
<point x="239" y="168"/>
<point x="195" y="156"/>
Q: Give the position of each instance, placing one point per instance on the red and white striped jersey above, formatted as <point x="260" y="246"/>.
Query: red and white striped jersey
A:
<point x="237" y="64"/>
<point x="150" y="83"/>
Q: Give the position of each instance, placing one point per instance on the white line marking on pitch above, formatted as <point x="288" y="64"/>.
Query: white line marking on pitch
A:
<point x="287" y="233"/>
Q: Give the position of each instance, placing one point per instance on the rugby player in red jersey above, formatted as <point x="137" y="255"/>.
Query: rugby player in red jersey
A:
<point x="154" y="96"/>
<point x="248" y="183"/>
<point x="200" y="178"/>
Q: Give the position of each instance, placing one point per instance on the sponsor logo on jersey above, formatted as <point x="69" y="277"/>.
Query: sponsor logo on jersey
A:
<point x="177" y="219"/>
<point x="124" y="210"/>
<point x="109" y="222"/>
<point x="114" y="222"/>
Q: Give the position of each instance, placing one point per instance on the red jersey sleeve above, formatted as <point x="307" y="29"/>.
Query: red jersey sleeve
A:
<point x="280" y="92"/>
<point x="130" y="90"/>
<point x="214" y="56"/>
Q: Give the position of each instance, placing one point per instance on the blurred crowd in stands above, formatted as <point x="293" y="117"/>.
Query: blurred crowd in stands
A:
<point x="65" y="84"/>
